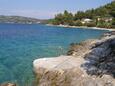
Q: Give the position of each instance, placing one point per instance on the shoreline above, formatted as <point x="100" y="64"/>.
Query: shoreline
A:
<point x="83" y="65"/>
<point x="81" y="27"/>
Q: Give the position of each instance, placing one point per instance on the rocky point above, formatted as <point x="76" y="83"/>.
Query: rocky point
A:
<point x="90" y="63"/>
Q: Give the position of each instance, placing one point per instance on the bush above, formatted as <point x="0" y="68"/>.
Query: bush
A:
<point x="113" y="21"/>
<point x="92" y="24"/>
<point x="78" y="23"/>
<point x="113" y="26"/>
<point x="104" y="25"/>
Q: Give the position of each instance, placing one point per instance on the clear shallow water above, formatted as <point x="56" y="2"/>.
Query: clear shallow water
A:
<point x="21" y="44"/>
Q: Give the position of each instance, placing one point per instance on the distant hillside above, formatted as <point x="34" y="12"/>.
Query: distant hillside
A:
<point x="20" y="19"/>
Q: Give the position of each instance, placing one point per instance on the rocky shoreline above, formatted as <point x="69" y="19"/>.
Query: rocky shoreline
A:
<point x="91" y="63"/>
<point x="83" y="27"/>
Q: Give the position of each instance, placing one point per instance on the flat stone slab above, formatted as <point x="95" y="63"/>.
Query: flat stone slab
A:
<point x="61" y="62"/>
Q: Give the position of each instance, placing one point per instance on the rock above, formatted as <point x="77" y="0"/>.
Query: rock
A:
<point x="66" y="71"/>
<point x="81" y="48"/>
<point x="102" y="57"/>
<point x="108" y="34"/>
<point x="8" y="84"/>
<point x="57" y="71"/>
<point x="92" y="64"/>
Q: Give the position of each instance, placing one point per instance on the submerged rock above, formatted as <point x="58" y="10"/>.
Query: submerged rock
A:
<point x="8" y="84"/>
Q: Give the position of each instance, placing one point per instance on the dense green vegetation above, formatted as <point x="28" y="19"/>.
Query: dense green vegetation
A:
<point x="19" y="19"/>
<point x="103" y="16"/>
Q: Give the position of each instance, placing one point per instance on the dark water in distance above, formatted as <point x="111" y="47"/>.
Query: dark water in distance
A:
<point x="20" y="44"/>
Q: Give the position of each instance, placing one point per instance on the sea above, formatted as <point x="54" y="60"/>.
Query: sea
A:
<point x="21" y="44"/>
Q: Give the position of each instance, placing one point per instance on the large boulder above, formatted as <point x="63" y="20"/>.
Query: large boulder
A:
<point x="57" y="71"/>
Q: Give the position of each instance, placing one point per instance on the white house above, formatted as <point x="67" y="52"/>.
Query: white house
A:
<point x="86" y="21"/>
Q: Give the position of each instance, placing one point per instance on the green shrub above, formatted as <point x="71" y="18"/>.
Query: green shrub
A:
<point x="78" y="23"/>
<point x="113" y="21"/>
<point x="91" y="24"/>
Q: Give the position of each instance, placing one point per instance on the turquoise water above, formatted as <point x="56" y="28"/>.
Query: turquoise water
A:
<point x="20" y="44"/>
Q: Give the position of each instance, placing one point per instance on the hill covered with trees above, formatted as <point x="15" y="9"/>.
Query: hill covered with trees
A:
<point x="20" y="19"/>
<point x="103" y="16"/>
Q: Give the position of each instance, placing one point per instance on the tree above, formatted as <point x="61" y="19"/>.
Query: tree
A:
<point x="113" y="23"/>
<point x="90" y="13"/>
<point x="107" y="11"/>
<point x="67" y="17"/>
<point x="112" y="13"/>
<point x="79" y="15"/>
<point x="59" y="19"/>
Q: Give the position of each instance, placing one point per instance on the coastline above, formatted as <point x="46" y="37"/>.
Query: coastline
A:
<point x="81" y="27"/>
<point x="80" y="68"/>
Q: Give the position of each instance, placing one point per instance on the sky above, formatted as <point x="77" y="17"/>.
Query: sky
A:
<point x="45" y="9"/>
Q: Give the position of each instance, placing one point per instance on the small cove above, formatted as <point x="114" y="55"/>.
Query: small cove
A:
<point x="20" y="44"/>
